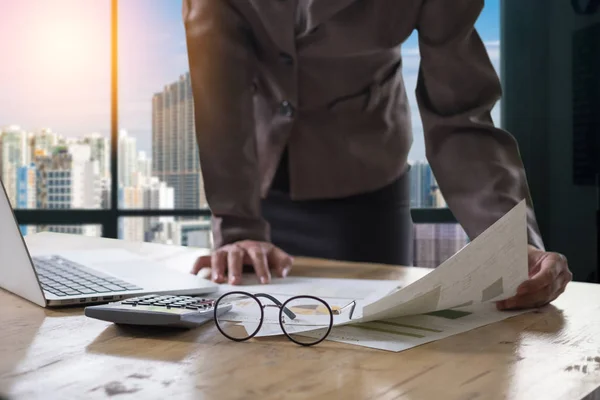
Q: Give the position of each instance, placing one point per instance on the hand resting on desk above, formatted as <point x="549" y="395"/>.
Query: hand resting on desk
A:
<point x="231" y="258"/>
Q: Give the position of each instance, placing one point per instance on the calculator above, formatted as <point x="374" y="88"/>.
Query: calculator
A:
<point x="158" y="310"/>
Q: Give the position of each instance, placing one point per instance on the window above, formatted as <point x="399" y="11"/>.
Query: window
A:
<point x="86" y="230"/>
<point x="112" y="145"/>
<point x="167" y="230"/>
<point x="158" y="155"/>
<point x="435" y="242"/>
<point x="425" y="192"/>
<point x="157" y="140"/>
<point x="55" y="98"/>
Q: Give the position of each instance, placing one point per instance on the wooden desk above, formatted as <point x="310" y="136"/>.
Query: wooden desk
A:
<point x="552" y="354"/>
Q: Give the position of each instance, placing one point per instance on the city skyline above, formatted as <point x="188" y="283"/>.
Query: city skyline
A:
<point x="152" y="51"/>
<point x="44" y="170"/>
<point x="21" y="151"/>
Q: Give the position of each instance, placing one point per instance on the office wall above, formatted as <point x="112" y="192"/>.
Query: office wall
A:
<point x="536" y="69"/>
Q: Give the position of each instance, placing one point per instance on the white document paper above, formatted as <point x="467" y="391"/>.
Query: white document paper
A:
<point x="456" y="297"/>
<point x="272" y="327"/>
<point x="488" y="269"/>
<point x="337" y="293"/>
<point x="403" y="333"/>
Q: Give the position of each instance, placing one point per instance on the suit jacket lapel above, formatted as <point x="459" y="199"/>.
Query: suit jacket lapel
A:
<point x="279" y="17"/>
<point x="319" y="11"/>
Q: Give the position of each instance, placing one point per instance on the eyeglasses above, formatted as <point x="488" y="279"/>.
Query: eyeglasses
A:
<point x="305" y="320"/>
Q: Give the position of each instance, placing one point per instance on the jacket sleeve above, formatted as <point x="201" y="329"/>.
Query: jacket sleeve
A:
<point x="222" y="64"/>
<point x="477" y="165"/>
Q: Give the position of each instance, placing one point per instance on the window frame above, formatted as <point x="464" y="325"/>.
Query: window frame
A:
<point x="109" y="218"/>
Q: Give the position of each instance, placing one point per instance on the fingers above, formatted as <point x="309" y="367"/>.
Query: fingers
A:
<point x="261" y="265"/>
<point x="534" y="260"/>
<point x="529" y="300"/>
<point x="218" y="265"/>
<point x="235" y="257"/>
<point x="564" y="278"/>
<point x="538" y="297"/>
<point x="280" y="262"/>
<point x="201" y="262"/>
<point x="226" y="263"/>
<point x="535" y="284"/>
<point x="568" y="275"/>
<point x="550" y="267"/>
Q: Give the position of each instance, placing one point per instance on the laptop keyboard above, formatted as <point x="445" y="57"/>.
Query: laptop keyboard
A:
<point x="62" y="277"/>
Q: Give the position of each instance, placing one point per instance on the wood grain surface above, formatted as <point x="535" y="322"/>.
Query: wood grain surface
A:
<point x="552" y="353"/>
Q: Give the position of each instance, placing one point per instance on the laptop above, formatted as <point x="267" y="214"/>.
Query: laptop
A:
<point x="83" y="276"/>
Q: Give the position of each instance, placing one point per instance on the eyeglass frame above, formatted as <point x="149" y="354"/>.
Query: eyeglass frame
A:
<point x="282" y="309"/>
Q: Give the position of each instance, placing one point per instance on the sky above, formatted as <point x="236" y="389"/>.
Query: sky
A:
<point x="55" y="67"/>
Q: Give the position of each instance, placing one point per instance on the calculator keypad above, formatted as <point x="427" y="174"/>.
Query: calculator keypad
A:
<point x="187" y="302"/>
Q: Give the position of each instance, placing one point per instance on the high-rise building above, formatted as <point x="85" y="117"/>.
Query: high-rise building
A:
<point x="144" y="165"/>
<point x="438" y="198"/>
<point x="43" y="142"/>
<point x="157" y="195"/>
<point x="196" y="233"/>
<point x="26" y="193"/>
<point x="68" y="179"/>
<point x="127" y="159"/>
<point x="105" y="193"/>
<point x="13" y="155"/>
<point x="100" y="151"/>
<point x="82" y="230"/>
<point x="423" y="186"/>
<point x="193" y="233"/>
<point x="143" y="171"/>
<point x="131" y="228"/>
<point x="26" y="187"/>
<point x="435" y="243"/>
<point x="174" y="148"/>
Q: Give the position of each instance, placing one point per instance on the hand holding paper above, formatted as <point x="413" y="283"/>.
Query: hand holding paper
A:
<point x="490" y="268"/>
<point x="550" y="274"/>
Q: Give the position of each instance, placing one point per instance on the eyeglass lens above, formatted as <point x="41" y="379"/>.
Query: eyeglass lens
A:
<point x="238" y="316"/>
<point x="312" y="323"/>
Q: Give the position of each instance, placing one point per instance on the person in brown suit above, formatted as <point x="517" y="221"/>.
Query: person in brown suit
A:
<point x="303" y="127"/>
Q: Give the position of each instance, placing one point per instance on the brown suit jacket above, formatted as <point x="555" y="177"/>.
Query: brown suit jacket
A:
<point x="323" y="77"/>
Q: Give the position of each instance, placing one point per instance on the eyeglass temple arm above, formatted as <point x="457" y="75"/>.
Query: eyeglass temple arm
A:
<point x="352" y="304"/>
<point x="286" y="310"/>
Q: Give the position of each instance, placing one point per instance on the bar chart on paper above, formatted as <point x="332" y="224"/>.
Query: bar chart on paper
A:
<point x="403" y="333"/>
<point x="488" y="269"/>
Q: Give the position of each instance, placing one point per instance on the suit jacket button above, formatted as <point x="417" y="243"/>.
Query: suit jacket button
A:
<point x="286" y="109"/>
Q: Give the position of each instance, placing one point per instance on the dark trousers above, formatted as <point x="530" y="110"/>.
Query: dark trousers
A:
<point x="372" y="227"/>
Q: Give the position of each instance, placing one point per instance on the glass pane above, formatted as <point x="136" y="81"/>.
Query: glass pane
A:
<point x="193" y="232"/>
<point x="86" y="230"/>
<point x="435" y="243"/>
<point x="425" y="192"/>
<point x="157" y="141"/>
<point x="55" y="103"/>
